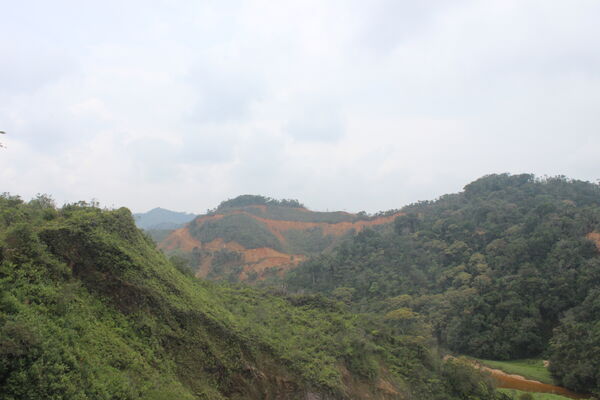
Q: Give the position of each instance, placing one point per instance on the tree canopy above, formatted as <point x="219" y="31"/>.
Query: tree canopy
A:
<point x="502" y="270"/>
<point x="255" y="200"/>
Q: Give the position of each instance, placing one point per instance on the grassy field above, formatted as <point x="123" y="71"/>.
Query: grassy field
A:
<point x="515" y="394"/>
<point x="529" y="368"/>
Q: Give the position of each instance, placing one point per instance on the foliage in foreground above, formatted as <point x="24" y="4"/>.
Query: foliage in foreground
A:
<point x="90" y="310"/>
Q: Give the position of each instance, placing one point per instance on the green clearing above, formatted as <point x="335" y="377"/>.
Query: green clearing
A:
<point x="530" y="368"/>
<point x="516" y="394"/>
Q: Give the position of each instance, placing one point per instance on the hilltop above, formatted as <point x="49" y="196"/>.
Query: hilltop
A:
<point x="252" y="237"/>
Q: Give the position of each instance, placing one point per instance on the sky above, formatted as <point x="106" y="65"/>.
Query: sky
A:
<point x="343" y="105"/>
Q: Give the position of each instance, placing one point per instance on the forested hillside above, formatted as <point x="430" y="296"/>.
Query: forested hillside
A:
<point x="509" y="268"/>
<point x="250" y="237"/>
<point x="89" y="309"/>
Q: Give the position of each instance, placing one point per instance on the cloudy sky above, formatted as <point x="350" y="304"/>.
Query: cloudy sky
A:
<point x="356" y="105"/>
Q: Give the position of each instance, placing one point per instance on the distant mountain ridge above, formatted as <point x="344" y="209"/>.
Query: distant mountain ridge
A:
<point x="252" y="237"/>
<point x="161" y="218"/>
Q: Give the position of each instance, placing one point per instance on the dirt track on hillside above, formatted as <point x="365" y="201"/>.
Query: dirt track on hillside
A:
<point x="511" y="381"/>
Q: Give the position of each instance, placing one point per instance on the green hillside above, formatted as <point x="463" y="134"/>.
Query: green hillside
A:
<point x="90" y="310"/>
<point x="288" y="210"/>
<point x="502" y="270"/>
<point x="219" y="244"/>
<point x="238" y="228"/>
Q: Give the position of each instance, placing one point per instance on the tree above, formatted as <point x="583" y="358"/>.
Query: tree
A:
<point x="407" y="223"/>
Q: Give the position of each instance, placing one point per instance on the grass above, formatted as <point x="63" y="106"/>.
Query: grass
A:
<point x="531" y="368"/>
<point x="515" y="394"/>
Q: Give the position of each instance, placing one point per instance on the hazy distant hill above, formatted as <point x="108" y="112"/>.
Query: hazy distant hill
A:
<point x="160" y="218"/>
<point x="251" y="237"/>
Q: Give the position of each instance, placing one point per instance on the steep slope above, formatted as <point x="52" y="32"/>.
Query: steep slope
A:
<point x="252" y="237"/>
<point x="90" y="310"/>
<point x="504" y="270"/>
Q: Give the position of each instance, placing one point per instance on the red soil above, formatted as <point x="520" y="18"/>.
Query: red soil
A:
<point x="595" y="237"/>
<point x="335" y="229"/>
<point x="259" y="260"/>
<point x="278" y="226"/>
<point x="509" y="381"/>
<point x="253" y="260"/>
<point x="255" y="255"/>
<point x="205" y="267"/>
<point x="179" y="239"/>
<point x="219" y="244"/>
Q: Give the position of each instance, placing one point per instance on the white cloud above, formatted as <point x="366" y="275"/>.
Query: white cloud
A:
<point x="351" y="105"/>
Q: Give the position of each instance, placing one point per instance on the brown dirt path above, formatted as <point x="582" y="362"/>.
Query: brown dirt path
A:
<point x="511" y="381"/>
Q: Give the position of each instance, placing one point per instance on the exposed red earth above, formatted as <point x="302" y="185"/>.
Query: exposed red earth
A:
<point x="259" y="260"/>
<point x="594" y="237"/>
<point x="518" y="382"/>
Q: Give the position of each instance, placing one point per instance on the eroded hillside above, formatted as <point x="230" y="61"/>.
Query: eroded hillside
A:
<point x="253" y="241"/>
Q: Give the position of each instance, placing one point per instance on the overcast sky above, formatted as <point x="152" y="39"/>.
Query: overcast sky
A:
<point x="355" y="105"/>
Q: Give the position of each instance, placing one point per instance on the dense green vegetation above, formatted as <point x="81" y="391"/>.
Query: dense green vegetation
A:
<point x="304" y="215"/>
<point x="90" y="310"/>
<point x="308" y="241"/>
<point x="301" y="214"/>
<point x="492" y="270"/>
<point x="289" y="210"/>
<point x="256" y="200"/>
<point x="239" y="228"/>
<point x="575" y="346"/>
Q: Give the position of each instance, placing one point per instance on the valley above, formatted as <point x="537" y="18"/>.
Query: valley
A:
<point x="300" y="200"/>
<point x="497" y="271"/>
<point x="264" y="299"/>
